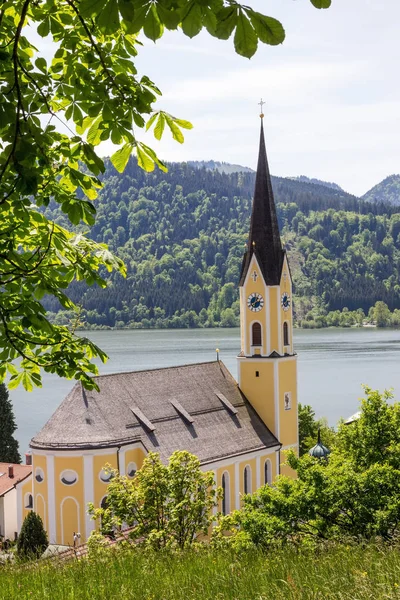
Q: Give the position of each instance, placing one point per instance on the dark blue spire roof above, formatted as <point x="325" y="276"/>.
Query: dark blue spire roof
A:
<point x="264" y="238"/>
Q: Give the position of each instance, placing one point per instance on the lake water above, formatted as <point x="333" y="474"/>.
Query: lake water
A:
<point x="332" y="365"/>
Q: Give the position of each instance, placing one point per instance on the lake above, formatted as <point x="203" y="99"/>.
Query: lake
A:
<point x="332" y="365"/>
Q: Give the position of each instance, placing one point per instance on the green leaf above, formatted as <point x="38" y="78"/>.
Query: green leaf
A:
<point x="41" y="64"/>
<point x="268" y="30"/>
<point x="14" y="382"/>
<point x="159" y="128"/>
<point x="108" y="19"/>
<point x="144" y="160"/>
<point x="169" y="18"/>
<point x="12" y="369"/>
<point x="245" y="39"/>
<point x="151" y="121"/>
<point x="93" y="136"/>
<point x="192" y="23"/>
<point x="152" y="28"/>
<point x="120" y="158"/>
<point x="321" y="3"/>
<point x="90" y="8"/>
<point x="176" y="132"/>
<point x="227" y="19"/>
<point x="210" y="20"/>
<point x="44" y="28"/>
<point x="184" y="124"/>
<point x="126" y="9"/>
<point x="27" y="381"/>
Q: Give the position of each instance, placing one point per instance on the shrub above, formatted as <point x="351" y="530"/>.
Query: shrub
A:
<point x="32" y="541"/>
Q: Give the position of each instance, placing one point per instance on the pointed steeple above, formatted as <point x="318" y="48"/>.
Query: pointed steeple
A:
<point x="264" y="238"/>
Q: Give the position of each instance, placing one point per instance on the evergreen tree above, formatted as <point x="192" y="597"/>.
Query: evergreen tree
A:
<point x="32" y="540"/>
<point x="8" y="444"/>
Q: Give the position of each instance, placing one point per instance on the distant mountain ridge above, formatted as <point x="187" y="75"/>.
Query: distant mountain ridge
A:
<point x="221" y="167"/>
<point x="387" y="191"/>
<point x="315" y="181"/>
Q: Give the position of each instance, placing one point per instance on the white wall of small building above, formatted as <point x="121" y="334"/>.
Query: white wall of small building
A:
<point x="8" y="514"/>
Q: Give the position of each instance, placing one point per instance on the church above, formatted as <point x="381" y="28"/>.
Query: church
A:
<point x="237" y="429"/>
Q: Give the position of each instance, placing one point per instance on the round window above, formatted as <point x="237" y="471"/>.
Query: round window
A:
<point x="131" y="470"/>
<point x="69" y="477"/>
<point x="39" y="474"/>
<point x="105" y="475"/>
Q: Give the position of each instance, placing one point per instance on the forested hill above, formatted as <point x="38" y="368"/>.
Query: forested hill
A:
<point x="387" y="190"/>
<point x="182" y="236"/>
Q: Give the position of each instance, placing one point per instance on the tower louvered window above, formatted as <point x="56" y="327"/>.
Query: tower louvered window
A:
<point x="256" y="334"/>
<point x="285" y="334"/>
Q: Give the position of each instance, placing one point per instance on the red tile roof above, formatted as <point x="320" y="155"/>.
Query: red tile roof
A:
<point x="20" y="472"/>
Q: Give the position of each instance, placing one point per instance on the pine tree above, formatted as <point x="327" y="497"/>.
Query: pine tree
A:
<point x="9" y="452"/>
<point x="32" y="540"/>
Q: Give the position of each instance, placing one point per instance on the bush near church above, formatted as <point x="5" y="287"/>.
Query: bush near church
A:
<point x="32" y="540"/>
<point x="355" y="494"/>
<point x="166" y="505"/>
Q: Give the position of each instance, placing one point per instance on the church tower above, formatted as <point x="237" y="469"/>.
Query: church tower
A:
<point x="267" y="364"/>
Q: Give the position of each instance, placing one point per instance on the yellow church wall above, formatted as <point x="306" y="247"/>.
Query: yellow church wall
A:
<point x="287" y="373"/>
<point x="273" y="318"/>
<point x="40" y="497"/>
<point x="70" y="506"/>
<point x="70" y="520"/>
<point x="259" y="390"/>
<point x="230" y="469"/>
<point x="135" y="455"/>
<point x="100" y="487"/>
<point x="26" y="488"/>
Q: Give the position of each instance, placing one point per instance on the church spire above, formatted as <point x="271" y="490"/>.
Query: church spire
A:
<point x="264" y="238"/>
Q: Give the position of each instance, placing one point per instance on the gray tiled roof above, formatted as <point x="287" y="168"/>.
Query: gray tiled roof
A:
<point x="90" y="419"/>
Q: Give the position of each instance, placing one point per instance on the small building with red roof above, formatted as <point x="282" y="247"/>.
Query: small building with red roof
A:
<point x="12" y="479"/>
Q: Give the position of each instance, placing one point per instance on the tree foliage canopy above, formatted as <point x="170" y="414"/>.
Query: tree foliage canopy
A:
<point x="354" y="494"/>
<point x="92" y="88"/>
<point x="167" y="505"/>
<point x="8" y="444"/>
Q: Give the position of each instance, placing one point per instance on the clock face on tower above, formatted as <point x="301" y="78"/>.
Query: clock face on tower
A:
<point x="255" y="302"/>
<point x="285" y="301"/>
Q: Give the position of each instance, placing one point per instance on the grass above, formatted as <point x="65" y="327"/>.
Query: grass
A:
<point x="341" y="572"/>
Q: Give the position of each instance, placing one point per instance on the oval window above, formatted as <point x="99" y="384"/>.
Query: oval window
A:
<point x="39" y="474"/>
<point x="69" y="477"/>
<point x="131" y="470"/>
<point x="105" y="475"/>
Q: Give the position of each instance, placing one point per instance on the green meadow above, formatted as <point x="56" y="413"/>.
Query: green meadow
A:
<point x="339" y="571"/>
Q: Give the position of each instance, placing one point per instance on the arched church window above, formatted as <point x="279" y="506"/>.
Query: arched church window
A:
<point x="247" y="480"/>
<point x="286" y="334"/>
<point x="225" y="494"/>
<point x="267" y="472"/>
<point x="28" y="501"/>
<point x="256" y="334"/>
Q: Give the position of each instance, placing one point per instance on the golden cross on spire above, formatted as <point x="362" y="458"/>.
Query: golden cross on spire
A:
<point x="261" y="103"/>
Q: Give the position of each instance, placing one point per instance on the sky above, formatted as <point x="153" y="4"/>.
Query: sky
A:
<point x="331" y="90"/>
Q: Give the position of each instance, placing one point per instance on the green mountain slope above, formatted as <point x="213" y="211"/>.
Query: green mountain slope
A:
<point x="182" y="236"/>
<point x="387" y="191"/>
